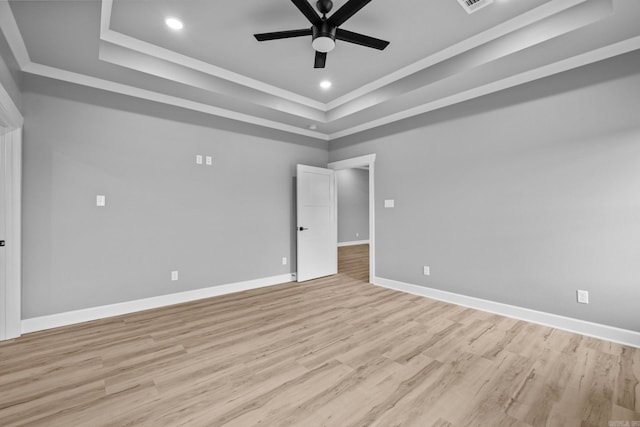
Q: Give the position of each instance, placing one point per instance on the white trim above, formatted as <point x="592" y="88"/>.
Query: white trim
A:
<point x="13" y="227"/>
<point x="528" y="18"/>
<point x="108" y="85"/>
<point x="9" y="113"/>
<point x="353" y="243"/>
<point x="541" y="12"/>
<point x="354" y="162"/>
<point x="94" y="313"/>
<point x="9" y="28"/>
<point x="370" y="161"/>
<point x="150" y="49"/>
<point x="498" y="85"/>
<point x="583" y="327"/>
<point x="11" y="143"/>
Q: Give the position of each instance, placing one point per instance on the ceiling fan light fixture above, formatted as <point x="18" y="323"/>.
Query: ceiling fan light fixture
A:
<point x="323" y="37"/>
<point x="323" y="44"/>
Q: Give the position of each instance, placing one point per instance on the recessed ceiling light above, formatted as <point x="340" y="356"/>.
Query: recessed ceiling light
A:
<point x="325" y="84"/>
<point x="174" y="23"/>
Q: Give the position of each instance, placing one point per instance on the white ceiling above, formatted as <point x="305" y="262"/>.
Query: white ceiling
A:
<point x="438" y="55"/>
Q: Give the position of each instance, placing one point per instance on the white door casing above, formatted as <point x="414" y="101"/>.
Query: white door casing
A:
<point x="317" y="233"/>
<point x="10" y="232"/>
<point x="369" y="161"/>
<point x="3" y="258"/>
<point x="11" y="122"/>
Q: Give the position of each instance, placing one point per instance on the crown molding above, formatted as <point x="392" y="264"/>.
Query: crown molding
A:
<point x="114" y="37"/>
<point x="518" y="79"/>
<point x="206" y="82"/>
<point x="535" y="15"/>
<point x="520" y="22"/>
<point x="107" y="85"/>
<point x="11" y="31"/>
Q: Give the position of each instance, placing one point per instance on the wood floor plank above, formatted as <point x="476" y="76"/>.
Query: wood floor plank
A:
<point x="334" y="351"/>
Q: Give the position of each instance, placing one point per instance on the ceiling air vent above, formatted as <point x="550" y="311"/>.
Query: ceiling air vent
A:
<point x="472" y="5"/>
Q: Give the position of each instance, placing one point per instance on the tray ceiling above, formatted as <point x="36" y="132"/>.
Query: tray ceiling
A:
<point x="439" y="54"/>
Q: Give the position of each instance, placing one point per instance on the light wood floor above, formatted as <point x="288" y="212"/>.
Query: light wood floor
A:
<point x="334" y="351"/>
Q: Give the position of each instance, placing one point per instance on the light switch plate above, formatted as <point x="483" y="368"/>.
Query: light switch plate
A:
<point x="101" y="200"/>
<point x="389" y="203"/>
<point x="426" y="270"/>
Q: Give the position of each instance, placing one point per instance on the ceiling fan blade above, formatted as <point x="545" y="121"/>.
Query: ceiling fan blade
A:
<point x="282" y="34"/>
<point x="346" y="12"/>
<point x="361" y="39"/>
<point x="308" y="11"/>
<point x="321" y="59"/>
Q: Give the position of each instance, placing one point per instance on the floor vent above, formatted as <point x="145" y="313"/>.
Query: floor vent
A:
<point x="472" y="5"/>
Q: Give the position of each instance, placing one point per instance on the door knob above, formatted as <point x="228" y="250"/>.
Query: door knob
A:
<point x="302" y="228"/>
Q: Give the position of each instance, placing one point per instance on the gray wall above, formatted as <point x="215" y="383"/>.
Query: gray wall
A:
<point x="230" y="222"/>
<point x="520" y="197"/>
<point x="353" y="205"/>
<point x="10" y="74"/>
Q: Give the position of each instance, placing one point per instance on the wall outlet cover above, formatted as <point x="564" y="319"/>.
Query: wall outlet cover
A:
<point x="209" y="160"/>
<point x="389" y="203"/>
<point x="198" y="159"/>
<point x="101" y="200"/>
<point x="174" y="275"/>
<point x="426" y="270"/>
<point x="583" y="296"/>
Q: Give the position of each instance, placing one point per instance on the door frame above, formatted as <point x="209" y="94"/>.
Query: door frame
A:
<point x="357" y="162"/>
<point x="11" y="121"/>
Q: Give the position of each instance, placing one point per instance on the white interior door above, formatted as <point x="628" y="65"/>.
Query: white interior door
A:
<point x="317" y="227"/>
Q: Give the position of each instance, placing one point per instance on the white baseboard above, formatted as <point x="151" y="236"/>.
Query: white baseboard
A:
<point x="609" y="333"/>
<point x="353" y="243"/>
<point x="94" y="313"/>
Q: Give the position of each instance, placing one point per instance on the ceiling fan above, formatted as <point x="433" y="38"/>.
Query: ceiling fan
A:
<point x="325" y="31"/>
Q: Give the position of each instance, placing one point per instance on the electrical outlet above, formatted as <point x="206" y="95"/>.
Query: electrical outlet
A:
<point x="426" y="270"/>
<point x="174" y="275"/>
<point x="357" y="234"/>
<point x="583" y="297"/>
<point x="198" y="159"/>
<point x="209" y="160"/>
<point x="284" y="260"/>
<point x="101" y="200"/>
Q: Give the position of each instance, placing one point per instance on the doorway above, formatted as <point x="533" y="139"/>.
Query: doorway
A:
<point x="352" y="255"/>
<point x="352" y="189"/>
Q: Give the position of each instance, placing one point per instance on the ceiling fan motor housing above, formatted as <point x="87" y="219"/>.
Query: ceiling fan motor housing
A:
<point x="323" y="37"/>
